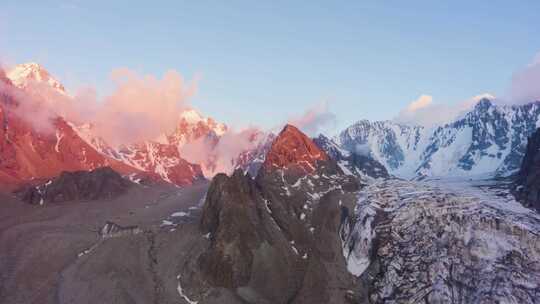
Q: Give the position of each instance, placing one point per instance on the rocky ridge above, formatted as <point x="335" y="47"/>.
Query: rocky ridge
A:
<point x="100" y="183"/>
<point x="274" y="239"/>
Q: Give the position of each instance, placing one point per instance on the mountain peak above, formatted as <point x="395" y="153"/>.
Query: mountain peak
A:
<point x="292" y="148"/>
<point x="192" y="120"/>
<point x="22" y="74"/>
<point x="191" y="116"/>
<point x="483" y="104"/>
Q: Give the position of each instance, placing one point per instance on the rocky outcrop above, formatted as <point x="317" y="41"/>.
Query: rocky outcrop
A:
<point x="101" y="183"/>
<point x="527" y="188"/>
<point x="275" y="238"/>
<point x="111" y="229"/>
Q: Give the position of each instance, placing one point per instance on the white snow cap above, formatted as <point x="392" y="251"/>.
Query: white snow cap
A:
<point x="191" y="116"/>
<point x="21" y="74"/>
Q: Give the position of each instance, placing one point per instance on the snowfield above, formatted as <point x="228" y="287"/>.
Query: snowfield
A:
<point x="444" y="241"/>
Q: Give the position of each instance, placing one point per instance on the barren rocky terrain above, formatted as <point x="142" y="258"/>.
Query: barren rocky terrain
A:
<point x="58" y="253"/>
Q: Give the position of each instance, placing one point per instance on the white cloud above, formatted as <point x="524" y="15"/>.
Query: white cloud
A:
<point x="315" y="120"/>
<point x="525" y="84"/>
<point x="423" y="111"/>
<point x="422" y="102"/>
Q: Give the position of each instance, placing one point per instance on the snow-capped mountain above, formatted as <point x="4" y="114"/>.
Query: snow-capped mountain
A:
<point x="162" y="156"/>
<point x="489" y="139"/>
<point x="30" y="153"/>
<point x="192" y="126"/>
<point x="27" y="154"/>
<point x="23" y="74"/>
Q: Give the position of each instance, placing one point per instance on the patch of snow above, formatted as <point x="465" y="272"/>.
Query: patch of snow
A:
<point x="266" y="204"/>
<point x="59" y="137"/>
<point x="180" y="214"/>
<point x="182" y="294"/>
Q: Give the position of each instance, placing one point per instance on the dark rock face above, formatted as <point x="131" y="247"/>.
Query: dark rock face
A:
<point x="528" y="179"/>
<point x="101" y="183"/>
<point x="351" y="162"/>
<point x="276" y="238"/>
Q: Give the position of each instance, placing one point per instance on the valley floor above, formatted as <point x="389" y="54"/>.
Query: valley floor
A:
<point x="56" y="253"/>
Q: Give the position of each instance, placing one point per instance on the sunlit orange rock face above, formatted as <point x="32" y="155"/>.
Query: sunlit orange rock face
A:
<point x="27" y="154"/>
<point x="29" y="151"/>
<point x="293" y="149"/>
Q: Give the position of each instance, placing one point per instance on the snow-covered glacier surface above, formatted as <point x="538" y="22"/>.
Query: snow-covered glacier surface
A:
<point x="443" y="241"/>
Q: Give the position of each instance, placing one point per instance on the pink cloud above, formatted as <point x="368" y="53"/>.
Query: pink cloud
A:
<point x="315" y="119"/>
<point x="525" y="84"/>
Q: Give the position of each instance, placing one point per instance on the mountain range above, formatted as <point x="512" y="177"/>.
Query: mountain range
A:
<point x="28" y="153"/>
<point x="488" y="140"/>
<point x="300" y="220"/>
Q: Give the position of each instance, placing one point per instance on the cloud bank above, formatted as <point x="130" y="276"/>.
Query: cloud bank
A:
<point x="424" y="112"/>
<point x="315" y="120"/>
<point x="139" y="108"/>
<point x="525" y="84"/>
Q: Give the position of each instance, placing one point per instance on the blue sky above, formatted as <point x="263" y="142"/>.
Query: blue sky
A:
<point x="261" y="62"/>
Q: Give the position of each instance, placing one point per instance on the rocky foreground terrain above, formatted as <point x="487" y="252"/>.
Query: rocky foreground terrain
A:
<point x="119" y="250"/>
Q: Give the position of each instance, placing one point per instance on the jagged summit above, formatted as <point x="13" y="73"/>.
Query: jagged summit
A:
<point x="22" y="75"/>
<point x="292" y="148"/>
<point x="483" y="103"/>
